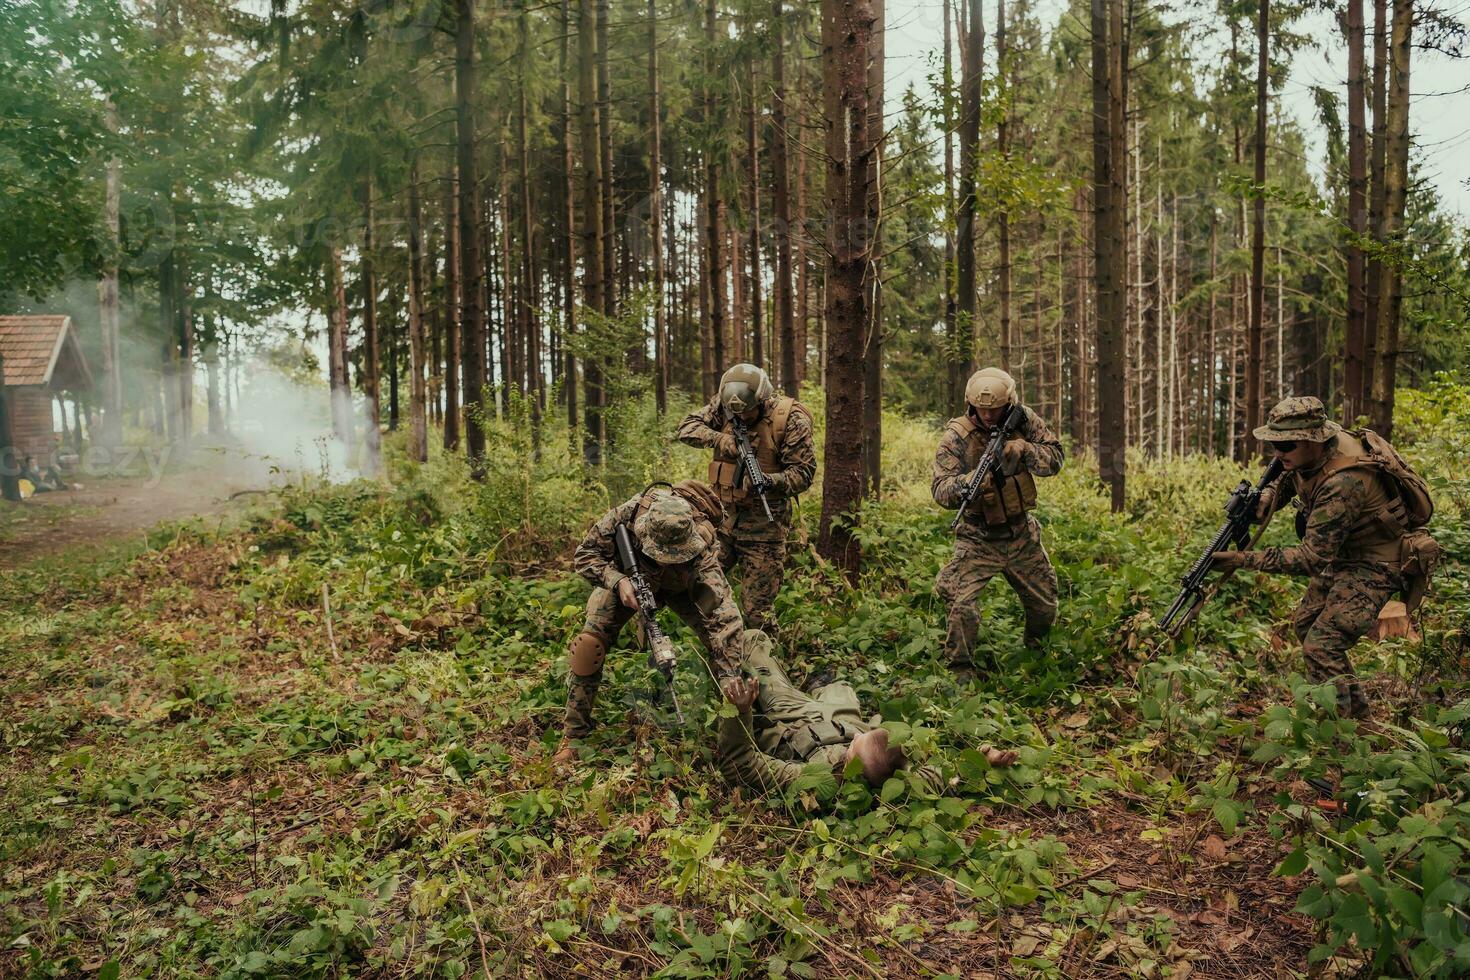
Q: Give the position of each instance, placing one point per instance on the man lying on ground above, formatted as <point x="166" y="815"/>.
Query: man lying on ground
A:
<point x="778" y="730"/>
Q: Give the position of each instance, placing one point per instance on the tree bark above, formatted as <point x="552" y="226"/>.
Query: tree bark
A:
<point x="1373" y="287"/>
<point x="1395" y="194"/>
<point x="785" y="325"/>
<point x="593" y="267"/>
<point x="1352" y="396"/>
<point x="1003" y="218"/>
<point x="569" y="224"/>
<point x="341" y="394"/>
<point x="961" y="351"/>
<point x="1109" y="62"/>
<point x="714" y="232"/>
<point x="453" y="314"/>
<point x="1253" y="375"/>
<point x="610" y="299"/>
<point x="107" y="299"/>
<point x="372" y="461"/>
<point x="846" y="47"/>
<point x="951" y="314"/>
<point x="873" y="339"/>
<point x="472" y="269"/>
<point x="757" y="323"/>
<point x="655" y="219"/>
<point x="418" y="430"/>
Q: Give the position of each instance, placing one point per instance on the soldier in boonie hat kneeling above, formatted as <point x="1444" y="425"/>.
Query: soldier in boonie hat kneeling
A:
<point x="677" y="556"/>
<point x="1352" y="521"/>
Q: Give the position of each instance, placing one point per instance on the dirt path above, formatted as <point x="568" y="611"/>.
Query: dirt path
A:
<point x="114" y="507"/>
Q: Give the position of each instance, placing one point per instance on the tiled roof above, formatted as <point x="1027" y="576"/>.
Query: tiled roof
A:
<point x="30" y="346"/>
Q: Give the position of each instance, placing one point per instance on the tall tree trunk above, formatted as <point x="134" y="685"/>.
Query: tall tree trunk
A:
<point x="1109" y="64"/>
<point x="873" y="335"/>
<point x="610" y="299"/>
<point x="847" y="28"/>
<point x="951" y="317"/>
<point x="757" y="323"/>
<point x="453" y="315"/>
<point x="418" y="430"/>
<point x="961" y="352"/>
<point x="341" y="393"/>
<point x="593" y="267"/>
<point x="1003" y="218"/>
<point x="1357" y="214"/>
<point x="531" y="328"/>
<point x="569" y="224"/>
<point x="472" y="269"/>
<point x="372" y="461"/>
<point x="714" y="232"/>
<point x="107" y="300"/>
<point x="185" y="310"/>
<point x="1396" y="185"/>
<point x="1253" y="374"/>
<point x="656" y="218"/>
<point x="1373" y="287"/>
<point x="784" y="322"/>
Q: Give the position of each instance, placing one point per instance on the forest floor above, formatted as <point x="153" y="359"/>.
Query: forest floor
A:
<point x="145" y="489"/>
<point x="211" y="771"/>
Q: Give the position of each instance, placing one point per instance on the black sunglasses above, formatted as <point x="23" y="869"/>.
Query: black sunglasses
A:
<point x="1284" y="445"/>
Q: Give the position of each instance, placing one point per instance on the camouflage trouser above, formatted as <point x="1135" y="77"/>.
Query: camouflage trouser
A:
<point x="716" y="626"/>
<point x="1338" y="610"/>
<point x="1023" y="562"/>
<point x="762" y="567"/>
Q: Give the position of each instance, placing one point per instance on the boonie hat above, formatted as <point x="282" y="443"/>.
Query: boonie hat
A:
<point x="1302" y="417"/>
<point x="666" y="531"/>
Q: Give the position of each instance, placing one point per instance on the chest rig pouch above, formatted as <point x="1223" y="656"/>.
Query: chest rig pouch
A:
<point x="807" y="739"/>
<point x="765" y="438"/>
<point x="1003" y="500"/>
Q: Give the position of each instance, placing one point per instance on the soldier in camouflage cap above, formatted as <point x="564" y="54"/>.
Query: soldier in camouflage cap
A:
<point x="998" y="534"/>
<point x="1351" y="523"/>
<point x="677" y="556"/>
<point x="780" y="430"/>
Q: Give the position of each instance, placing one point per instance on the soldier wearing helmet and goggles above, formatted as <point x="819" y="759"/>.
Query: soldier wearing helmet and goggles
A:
<point x="997" y="533"/>
<point x="779" y="431"/>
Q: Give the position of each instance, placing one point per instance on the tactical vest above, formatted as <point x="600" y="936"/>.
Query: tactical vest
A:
<point x="1003" y="499"/>
<point x="765" y="438"/>
<point x="1378" y="532"/>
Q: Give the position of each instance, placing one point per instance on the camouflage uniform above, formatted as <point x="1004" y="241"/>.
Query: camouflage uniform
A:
<point x="770" y="747"/>
<point x="695" y="589"/>
<point x="746" y="537"/>
<point x="1011" y="547"/>
<point x="1349" y="553"/>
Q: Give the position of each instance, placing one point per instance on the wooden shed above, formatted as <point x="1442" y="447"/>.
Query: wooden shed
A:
<point x="41" y="358"/>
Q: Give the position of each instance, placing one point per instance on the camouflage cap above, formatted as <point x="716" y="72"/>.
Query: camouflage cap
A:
<point x="990" y="388"/>
<point x="1301" y="418"/>
<point x="743" y="387"/>
<point x="666" y="531"/>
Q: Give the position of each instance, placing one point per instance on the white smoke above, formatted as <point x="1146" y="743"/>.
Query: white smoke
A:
<point x="283" y="425"/>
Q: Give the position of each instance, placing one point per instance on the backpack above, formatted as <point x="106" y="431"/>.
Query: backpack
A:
<point x="701" y="496"/>
<point x="1401" y="480"/>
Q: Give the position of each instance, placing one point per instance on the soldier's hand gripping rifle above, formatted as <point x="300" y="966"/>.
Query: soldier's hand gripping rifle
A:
<point x="749" y="469"/>
<point x="1240" y="514"/>
<point x="660" y="647"/>
<point x="988" y="460"/>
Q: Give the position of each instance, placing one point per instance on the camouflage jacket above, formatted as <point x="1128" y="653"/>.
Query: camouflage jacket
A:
<point x="1328" y="540"/>
<point x="788" y="733"/>
<point x="957" y="457"/>
<point x="796" y="459"/>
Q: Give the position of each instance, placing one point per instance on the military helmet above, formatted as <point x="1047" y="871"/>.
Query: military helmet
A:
<point x="666" y="531"/>
<point x="1302" y="418"/>
<point x="743" y="387"/>
<point x="990" y="388"/>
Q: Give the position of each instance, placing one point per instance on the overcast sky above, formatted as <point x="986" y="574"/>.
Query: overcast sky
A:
<point x="1439" y="116"/>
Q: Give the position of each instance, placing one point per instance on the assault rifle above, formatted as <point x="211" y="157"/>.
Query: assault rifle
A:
<point x="660" y="647"/>
<point x="1240" y="513"/>
<point x="750" y="467"/>
<point x="988" y="460"/>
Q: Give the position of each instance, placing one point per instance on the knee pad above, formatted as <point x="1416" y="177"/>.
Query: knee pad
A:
<point x="586" y="653"/>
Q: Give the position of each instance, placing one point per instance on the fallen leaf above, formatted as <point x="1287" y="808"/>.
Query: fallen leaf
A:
<point x="1214" y="848"/>
<point x="1126" y="880"/>
<point x="1229" y="942"/>
<point x="1077" y="719"/>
